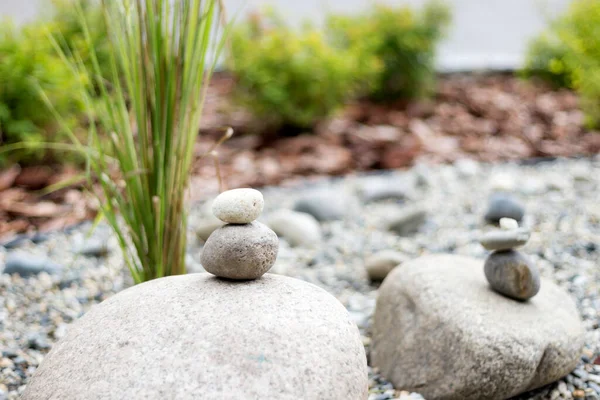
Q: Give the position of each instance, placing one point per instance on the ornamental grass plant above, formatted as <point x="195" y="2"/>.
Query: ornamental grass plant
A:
<point x="160" y="56"/>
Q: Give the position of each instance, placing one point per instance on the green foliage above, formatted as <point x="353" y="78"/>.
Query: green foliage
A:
<point x="295" y="77"/>
<point x="568" y="55"/>
<point x="579" y="30"/>
<point x="160" y="56"/>
<point x="65" y="25"/>
<point x="404" y="40"/>
<point x="28" y="63"/>
<point x="545" y="59"/>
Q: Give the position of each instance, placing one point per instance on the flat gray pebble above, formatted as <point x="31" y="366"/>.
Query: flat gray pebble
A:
<point x="504" y="240"/>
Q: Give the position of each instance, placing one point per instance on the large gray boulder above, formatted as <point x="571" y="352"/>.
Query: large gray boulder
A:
<point x="200" y="337"/>
<point x="440" y="330"/>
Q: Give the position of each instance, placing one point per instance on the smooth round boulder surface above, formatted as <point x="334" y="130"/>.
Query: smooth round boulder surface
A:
<point x="504" y="239"/>
<point x="199" y="337"/>
<point x="240" y="251"/>
<point x="441" y="331"/>
<point x="238" y="206"/>
<point x="512" y="274"/>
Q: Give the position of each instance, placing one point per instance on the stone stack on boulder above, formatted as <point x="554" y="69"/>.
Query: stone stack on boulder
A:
<point x="508" y="271"/>
<point x="243" y="248"/>
<point x="241" y="334"/>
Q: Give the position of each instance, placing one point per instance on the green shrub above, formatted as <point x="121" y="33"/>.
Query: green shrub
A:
<point x="568" y="55"/>
<point x="402" y="39"/>
<point x="28" y="63"/>
<point x="579" y="30"/>
<point x="66" y="26"/>
<point x="290" y="77"/>
<point x="545" y="59"/>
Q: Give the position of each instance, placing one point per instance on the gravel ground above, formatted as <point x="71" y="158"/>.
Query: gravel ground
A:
<point x="563" y="212"/>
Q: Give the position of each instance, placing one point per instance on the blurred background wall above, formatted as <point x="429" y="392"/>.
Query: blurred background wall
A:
<point x="484" y="34"/>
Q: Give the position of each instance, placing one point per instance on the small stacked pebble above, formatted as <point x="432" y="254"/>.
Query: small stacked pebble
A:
<point x="508" y="271"/>
<point x="243" y="248"/>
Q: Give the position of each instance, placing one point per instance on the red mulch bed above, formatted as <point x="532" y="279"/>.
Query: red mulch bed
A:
<point x="484" y="117"/>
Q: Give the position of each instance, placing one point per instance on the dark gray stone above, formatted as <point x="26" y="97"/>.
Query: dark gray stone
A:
<point x="512" y="274"/>
<point x="440" y="331"/>
<point x="40" y="237"/>
<point x="38" y="341"/>
<point x="26" y="264"/>
<point x="94" y="247"/>
<point x="240" y="251"/>
<point x="504" y="205"/>
<point x="504" y="240"/>
<point x="407" y="221"/>
<point x="15" y="242"/>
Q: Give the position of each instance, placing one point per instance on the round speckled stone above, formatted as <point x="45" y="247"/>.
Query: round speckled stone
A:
<point x="512" y="274"/>
<point x="240" y="251"/>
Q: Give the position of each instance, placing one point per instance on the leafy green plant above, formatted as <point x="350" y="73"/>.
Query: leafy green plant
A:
<point x="579" y="30"/>
<point x="568" y="55"/>
<point x="161" y="55"/>
<point x="27" y="62"/>
<point x="545" y="59"/>
<point x="294" y="77"/>
<point x="65" y="25"/>
<point x="404" y="41"/>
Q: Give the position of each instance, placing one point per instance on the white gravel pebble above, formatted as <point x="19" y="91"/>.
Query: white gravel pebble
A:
<point x="508" y="224"/>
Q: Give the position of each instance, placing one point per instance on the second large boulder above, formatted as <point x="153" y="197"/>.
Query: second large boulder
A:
<point x="440" y="330"/>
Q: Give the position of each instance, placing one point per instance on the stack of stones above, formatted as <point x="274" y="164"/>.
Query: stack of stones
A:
<point x="244" y="248"/>
<point x="508" y="271"/>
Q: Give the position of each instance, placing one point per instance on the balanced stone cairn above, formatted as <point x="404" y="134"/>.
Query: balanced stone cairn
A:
<point x="244" y="248"/>
<point x="508" y="271"/>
